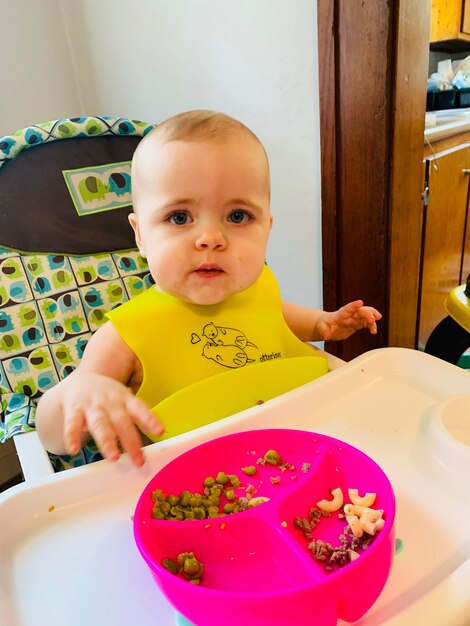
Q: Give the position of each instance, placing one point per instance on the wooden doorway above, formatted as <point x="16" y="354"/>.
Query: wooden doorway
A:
<point x="373" y="59"/>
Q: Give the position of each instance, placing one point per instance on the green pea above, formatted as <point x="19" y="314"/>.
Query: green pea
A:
<point x="199" y="512"/>
<point x="192" y="567"/>
<point x="229" y="507"/>
<point x="157" y="513"/>
<point x="171" y="566"/>
<point x="165" y="508"/>
<point x="195" y="500"/>
<point x="185" y="498"/>
<point x="250" y="470"/>
<point x="177" y="512"/>
<point x="234" y="480"/>
<point x="212" y="511"/>
<point x="172" y="500"/>
<point x="209" y="481"/>
<point x="230" y="494"/>
<point x="158" y="495"/>
<point x="272" y="457"/>
<point x="221" y="478"/>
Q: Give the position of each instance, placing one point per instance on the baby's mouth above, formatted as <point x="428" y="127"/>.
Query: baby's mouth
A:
<point x="207" y="270"/>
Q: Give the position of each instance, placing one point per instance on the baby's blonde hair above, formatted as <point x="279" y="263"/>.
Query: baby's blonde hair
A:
<point x="200" y="125"/>
<point x="197" y="125"/>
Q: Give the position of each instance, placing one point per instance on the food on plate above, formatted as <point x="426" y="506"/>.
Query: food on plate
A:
<point x="367" y="500"/>
<point x="187" y="565"/>
<point x="334" y="504"/>
<point x="362" y="524"/>
<point x="218" y="498"/>
<point x="272" y="457"/>
<point x="250" y="470"/>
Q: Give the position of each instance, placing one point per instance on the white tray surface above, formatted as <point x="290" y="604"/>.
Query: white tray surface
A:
<point x="78" y="562"/>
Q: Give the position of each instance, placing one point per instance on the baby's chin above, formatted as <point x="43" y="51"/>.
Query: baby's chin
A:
<point x="209" y="296"/>
<point x="205" y="299"/>
<point x="196" y="296"/>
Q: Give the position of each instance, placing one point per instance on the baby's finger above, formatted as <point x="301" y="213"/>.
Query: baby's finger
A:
<point x="352" y="307"/>
<point x="128" y="436"/>
<point x="370" y="317"/>
<point x="74" y="425"/>
<point x="103" y="433"/>
<point x="374" y="313"/>
<point x="144" y="417"/>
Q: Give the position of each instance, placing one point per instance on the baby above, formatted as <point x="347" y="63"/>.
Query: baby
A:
<point x="201" y="198"/>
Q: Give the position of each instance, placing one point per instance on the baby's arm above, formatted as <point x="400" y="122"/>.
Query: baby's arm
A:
<point x="95" y="401"/>
<point x="315" y="325"/>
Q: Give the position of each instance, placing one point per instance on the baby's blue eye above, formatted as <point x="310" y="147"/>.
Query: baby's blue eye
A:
<point x="239" y="217"/>
<point x="179" y="218"/>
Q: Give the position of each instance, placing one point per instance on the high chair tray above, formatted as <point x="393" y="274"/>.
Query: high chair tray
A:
<point x="67" y="551"/>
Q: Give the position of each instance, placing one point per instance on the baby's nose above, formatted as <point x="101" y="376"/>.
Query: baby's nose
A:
<point x="211" y="239"/>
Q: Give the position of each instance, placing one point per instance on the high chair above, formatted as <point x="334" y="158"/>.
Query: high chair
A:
<point x="450" y="339"/>
<point x="67" y="254"/>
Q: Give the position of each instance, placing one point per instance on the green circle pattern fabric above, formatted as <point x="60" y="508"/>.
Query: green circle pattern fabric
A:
<point x="32" y="136"/>
<point x="50" y="304"/>
<point x="49" y="307"/>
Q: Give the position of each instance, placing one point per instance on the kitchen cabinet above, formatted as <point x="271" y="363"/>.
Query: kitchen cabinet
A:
<point x="450" y="20"/>
<point x="445" y="259"/>
<point x="466" y="251"/>
<point x="466" y="18"/>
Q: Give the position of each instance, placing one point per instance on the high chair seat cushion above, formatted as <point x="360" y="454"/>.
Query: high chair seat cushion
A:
<point x="66" y="187"/>
<point x="67" y="254"/>
<point x="49" y="307"/>
<point x="17" y="412"/>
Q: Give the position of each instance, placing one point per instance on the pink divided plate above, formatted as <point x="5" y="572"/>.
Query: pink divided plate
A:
<point x="258" y="569"/>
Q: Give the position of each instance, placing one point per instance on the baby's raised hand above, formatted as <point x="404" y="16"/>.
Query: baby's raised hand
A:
<point x="108" y="411"/>
<point x="347" y="320"/>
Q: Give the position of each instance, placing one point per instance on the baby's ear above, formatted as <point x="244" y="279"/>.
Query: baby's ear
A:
<point x="133" y="221"/>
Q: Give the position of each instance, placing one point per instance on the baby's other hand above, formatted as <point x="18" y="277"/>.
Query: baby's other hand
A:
<point x="347" y="320"/>
<point x="107" y="410"/>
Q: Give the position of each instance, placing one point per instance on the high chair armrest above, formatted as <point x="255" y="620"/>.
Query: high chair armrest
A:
<point x="33" y="458"/>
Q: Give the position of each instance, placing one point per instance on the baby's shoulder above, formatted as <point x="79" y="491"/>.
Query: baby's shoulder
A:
<point x="107" y="349"/>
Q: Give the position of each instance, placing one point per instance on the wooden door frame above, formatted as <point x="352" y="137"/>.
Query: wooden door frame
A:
<point x="373" y="62"/>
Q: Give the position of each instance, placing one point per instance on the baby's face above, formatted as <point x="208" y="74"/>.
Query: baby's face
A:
<point x="202" y="216"/>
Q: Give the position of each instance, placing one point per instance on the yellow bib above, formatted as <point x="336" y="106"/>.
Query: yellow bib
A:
<point x="180" y="344"/>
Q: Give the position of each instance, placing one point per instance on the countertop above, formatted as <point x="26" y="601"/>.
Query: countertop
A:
<point x="445" y="123"/>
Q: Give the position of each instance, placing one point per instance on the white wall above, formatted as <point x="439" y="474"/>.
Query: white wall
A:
<point x="38" y="81"/>
<point x="148" y="59"/>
